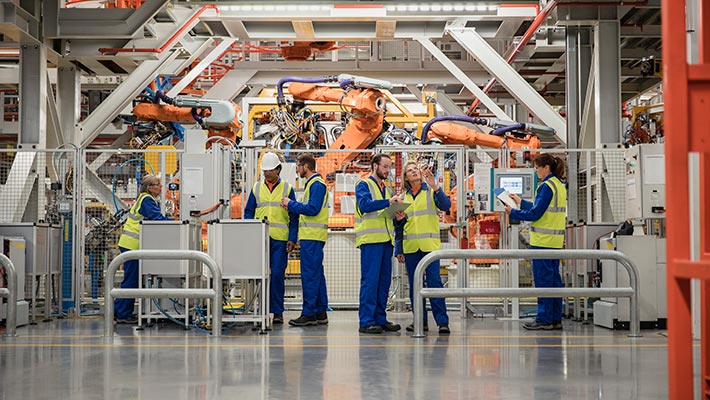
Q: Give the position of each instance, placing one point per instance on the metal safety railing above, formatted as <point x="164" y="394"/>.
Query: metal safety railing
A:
<point x="149" y="293"/>
<point x="10" y="293"/>
<point x="420" y="293"/>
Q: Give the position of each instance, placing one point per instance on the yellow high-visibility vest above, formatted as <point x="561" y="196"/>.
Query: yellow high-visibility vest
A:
<point x="130" y="238"/>
<point x="373" y="227"/>
<point x="268" y="205"/>
<point x="315" y="227"/>
<point x="421" y="232"/>
<point x="549" y="230"/>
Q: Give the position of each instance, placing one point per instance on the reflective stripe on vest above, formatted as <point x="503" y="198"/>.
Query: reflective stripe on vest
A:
<point x="373" y="227"/>
<point x="549" y="230"/>
<point x="315" y="227"/>
<point x="421" y="232"/>
<point x="130" y="238"/>
<point x="268" y="205"/>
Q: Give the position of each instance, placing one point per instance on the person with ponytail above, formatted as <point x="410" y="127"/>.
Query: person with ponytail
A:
<point x="549" y="216"/>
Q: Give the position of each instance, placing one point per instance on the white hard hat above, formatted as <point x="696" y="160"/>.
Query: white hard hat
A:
<point x="270" y="161"/>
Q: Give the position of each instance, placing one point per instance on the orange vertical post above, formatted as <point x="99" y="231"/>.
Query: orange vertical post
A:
<point x="687" y="100"/>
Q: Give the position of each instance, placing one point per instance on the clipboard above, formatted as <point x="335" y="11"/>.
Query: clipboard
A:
<point x="504" y="196"/>
<point x="395" y="207"/>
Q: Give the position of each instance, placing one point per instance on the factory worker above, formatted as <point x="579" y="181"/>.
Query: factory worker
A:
<point x="264" y="202"/>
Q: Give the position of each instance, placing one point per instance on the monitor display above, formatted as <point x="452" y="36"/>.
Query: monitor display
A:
<point x="513" y="184"/>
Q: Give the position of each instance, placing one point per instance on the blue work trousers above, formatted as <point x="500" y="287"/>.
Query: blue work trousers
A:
<point x="546" y="273"/>
<point x="124" y="307"/>
<point x="375" y="279"/>
<point x="278" y="260"/>
<point x="315" y="292"/>
<point x="432" y="279"/>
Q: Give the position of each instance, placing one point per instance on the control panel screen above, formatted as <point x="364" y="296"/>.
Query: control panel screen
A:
<point x="513" y="184"/>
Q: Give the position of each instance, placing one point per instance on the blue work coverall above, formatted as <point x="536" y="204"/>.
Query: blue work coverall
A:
<point x="315" y="292"/>
<point x="150" y="210"/>
<point x="432" y="274"/>
<point x="546" y="273"/>
<point x="278" y="256"/>
<point x="375" y="264"/>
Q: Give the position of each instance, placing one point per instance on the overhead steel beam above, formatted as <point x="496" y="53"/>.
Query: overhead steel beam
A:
<point x="462" y="77"/>
<point x="17" y="24"/>
<point x="413" y="89"/>
<point x="508" y="77"/>
<point x="213" y="54"/>
<point x="95" y="23"/>
<point x="231" y="84"/>
<point x="122" y="96"/>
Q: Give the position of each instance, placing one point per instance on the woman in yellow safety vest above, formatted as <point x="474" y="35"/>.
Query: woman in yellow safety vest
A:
<point x="417" y="234"/>
<point x="549" y="215"/>
<point x="144" y="208"/>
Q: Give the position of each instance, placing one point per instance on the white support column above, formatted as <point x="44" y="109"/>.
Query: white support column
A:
<point x="69" y="101"/>
<point x="607" y="88"/>
<point x="206" y="60"/>
<point x="55" y="135"/>
<point x="462" y="77"/>
<point x="508" y="77"/>
<point x="33" y="96"/>
<point x="122" y="96"/>
<point x="16" y="192"/>
<point x="231" y="84"/>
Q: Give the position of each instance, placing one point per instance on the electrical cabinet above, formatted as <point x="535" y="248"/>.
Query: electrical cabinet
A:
<point x="648" y="253"/>
<point x="168" y="235"/>
<point x="645" y="182"/>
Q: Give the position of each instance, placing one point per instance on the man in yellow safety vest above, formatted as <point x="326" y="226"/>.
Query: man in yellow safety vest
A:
<point x="312" y="234"/>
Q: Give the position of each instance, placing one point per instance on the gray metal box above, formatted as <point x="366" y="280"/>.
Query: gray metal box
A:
<point x="642" y="251"/>
<point x="240" y="248"/>
<point x="36" y="241"/>
<point x="170" y="235"/>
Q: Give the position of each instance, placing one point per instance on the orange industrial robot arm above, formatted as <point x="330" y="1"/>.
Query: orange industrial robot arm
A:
<point x="360" y="97"/>
<point x="218" y="117"/>
<point x="511" y="134"/>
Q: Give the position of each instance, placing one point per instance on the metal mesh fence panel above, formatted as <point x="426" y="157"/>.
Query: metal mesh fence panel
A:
<point x="35" y="222"/>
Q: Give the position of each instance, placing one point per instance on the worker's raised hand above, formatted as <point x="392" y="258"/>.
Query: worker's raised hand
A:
<point x="400" y="215"/>
<point x="284" y="202"/>
<point x="290" y="246"/>
<point x="516" y="198"/>
<point x="395" y="199"/>
<point x="429" y="178"/>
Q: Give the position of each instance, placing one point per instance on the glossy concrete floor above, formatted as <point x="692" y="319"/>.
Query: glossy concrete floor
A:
<point x="482" y="358"/>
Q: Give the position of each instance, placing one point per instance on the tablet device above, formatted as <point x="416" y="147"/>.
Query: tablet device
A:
<point x="394" y="207"/>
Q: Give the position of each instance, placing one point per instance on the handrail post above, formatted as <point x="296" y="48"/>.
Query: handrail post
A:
<point x="11" y="322"/>
<point x="634" y="325"/>
<point x="164" y="255"/>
